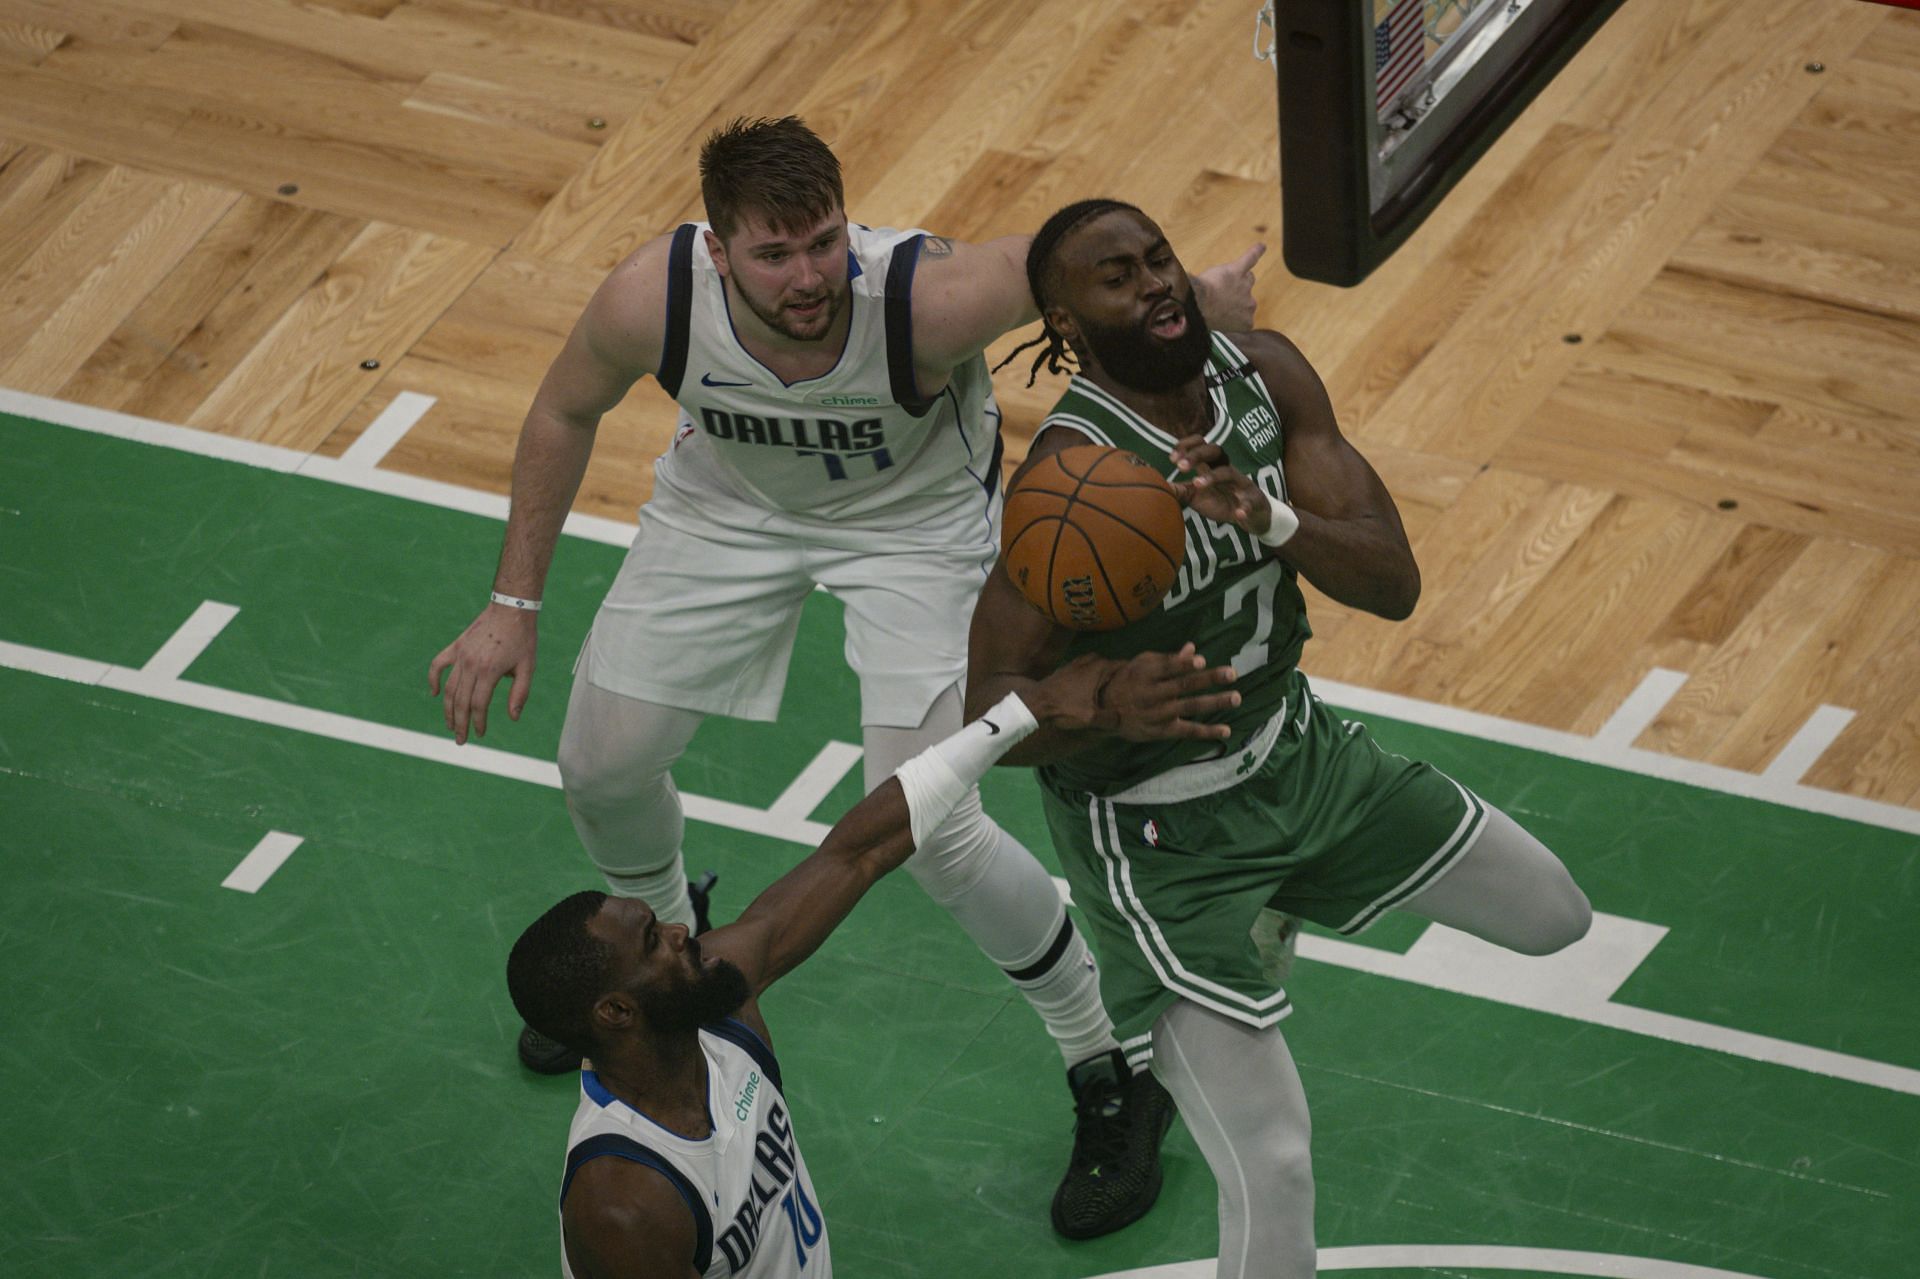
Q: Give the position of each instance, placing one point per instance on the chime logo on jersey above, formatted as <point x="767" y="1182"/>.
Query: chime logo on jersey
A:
<point x="773" y="1187"/>
<point x="743" y="1104"/>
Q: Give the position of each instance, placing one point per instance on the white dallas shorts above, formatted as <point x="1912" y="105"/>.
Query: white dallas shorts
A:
<point x="703" y="612"/>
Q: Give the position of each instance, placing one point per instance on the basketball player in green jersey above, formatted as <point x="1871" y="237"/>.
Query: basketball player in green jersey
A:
<point x="1177" y="851"/>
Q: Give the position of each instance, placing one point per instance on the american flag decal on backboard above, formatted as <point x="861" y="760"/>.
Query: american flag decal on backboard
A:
<point x="1399" y="49"/>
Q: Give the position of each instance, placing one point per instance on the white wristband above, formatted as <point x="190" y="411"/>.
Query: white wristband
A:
<point x="514" y="601"/>
<point x="1286" y="522"/>
<point x="939" y="777"/>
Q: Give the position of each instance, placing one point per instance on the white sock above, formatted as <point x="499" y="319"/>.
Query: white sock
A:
<point x="1064" y="988"/>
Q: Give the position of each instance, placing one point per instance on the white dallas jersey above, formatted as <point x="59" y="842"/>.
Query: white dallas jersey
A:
<point x="754" y="1209"/>
<point x="856" y="441"/>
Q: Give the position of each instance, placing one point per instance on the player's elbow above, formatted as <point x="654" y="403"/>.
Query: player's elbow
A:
<point x="1400" y="605"/>
<point x="1399" y="593"/>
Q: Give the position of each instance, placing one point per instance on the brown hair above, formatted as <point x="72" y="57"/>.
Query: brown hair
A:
<point x="778" y="169"/>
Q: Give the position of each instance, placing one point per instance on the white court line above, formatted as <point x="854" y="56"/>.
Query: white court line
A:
<point x="1627" y="759"/>
<point x="271" y="457"/>
<point x="1445" y="959"/>
<point x="257" y="867"/>
<point x="431" y="747"/>
<point x="816" y="781"/>
<point x="1808" y="745"/>
<point x="190" y="640"/>
<point x="1610" y="754"/>
<point x="386" y="430"/>
<point x="1642" y="707"/>
<point x="1435" y="964"/>
<point x="1455" y="1257"/>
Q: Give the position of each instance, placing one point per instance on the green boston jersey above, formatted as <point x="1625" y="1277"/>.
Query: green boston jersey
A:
<point x="1238" y="604"/>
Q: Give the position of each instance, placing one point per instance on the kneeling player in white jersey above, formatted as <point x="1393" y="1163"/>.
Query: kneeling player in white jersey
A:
<point x="837" y="429"/>
<point x="682" y="1158"/>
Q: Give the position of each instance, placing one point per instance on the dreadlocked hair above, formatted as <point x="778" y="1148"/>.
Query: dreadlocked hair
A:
<point x="1055" y="355"/>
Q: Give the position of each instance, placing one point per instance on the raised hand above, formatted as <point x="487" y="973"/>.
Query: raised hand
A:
<point x="1217" y="490"/>
<point x="1226" y="291"/>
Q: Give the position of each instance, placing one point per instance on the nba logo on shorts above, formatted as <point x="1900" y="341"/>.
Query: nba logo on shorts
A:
<point x="1150" y="833"/>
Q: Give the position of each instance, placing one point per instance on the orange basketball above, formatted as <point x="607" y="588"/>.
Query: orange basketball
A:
<point x="1093" y="537"/>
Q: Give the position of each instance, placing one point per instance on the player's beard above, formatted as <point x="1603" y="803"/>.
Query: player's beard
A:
<point x="718" y="991"/>
<point x="1132" y="356"/>
<point x="777" y="317"/>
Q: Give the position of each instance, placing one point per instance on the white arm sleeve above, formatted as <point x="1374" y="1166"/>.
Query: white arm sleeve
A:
<point x="940" y="776"/>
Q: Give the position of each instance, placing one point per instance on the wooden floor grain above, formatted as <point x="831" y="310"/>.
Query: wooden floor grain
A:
<point x="1647" y="385"/>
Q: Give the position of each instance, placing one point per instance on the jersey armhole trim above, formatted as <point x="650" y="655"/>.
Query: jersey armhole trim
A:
<point x="673" y="351"/>
<point x="899" y="326"/>
<point x="1079" y="426"/>
<point x="747" y="1039"/>
<point x="613" y="1145"/>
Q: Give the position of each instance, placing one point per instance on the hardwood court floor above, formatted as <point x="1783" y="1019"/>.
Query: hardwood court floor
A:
<point x="1646" y="387"/>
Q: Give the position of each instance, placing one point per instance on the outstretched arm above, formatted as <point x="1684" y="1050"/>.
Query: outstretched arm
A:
<point x="966" y="296"/>
<point x="794" y="914"/>
<point x="616" y="341"/>
<point x="1339" y="525"/>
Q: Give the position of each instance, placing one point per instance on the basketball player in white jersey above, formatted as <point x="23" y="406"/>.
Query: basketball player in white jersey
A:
<point x="682" y="1158"/>
<point x="837" y="429"/>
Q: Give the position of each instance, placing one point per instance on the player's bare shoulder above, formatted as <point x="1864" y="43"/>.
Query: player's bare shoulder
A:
<point x="623" y="1217"/>
<point x="626" y="320"/>
<point x="1289" y="377"/>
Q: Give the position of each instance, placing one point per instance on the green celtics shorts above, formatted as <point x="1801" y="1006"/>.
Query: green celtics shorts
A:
<point x="1309" y="816"/>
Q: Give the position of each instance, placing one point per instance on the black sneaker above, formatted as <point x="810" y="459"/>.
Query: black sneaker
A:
<point x="700" y="893"/>
<point x="546" y="1056"/>
<point x="1119" y="1120"/>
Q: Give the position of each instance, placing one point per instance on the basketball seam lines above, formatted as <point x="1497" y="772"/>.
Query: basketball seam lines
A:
<point x="1138" y="532"/>
<point x="1053" y="551"/>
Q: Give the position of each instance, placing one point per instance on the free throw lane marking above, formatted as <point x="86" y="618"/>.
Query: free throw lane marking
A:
<point x="1645" y="703"/>
<point x="387" y="430"/>
<point x="1808" y="745"/>
<point x="190" y="640"/>
<point x="257" y="867"/>
<point x="816" y="780"/>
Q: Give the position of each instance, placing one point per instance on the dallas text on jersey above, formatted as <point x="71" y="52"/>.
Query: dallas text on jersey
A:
<point x="830" y="438"/>
<point x="777" y="1159"/>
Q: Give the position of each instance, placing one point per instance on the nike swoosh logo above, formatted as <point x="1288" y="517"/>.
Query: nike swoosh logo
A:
<point x="706" y="379"/>
<point x="993" y="729"/>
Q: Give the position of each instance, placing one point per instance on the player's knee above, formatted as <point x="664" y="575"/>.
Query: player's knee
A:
<point x="1563" y="919"/>
<point x="1279" y="1177"/>
<point x="583" y="771"/>
<point x="595" y="777"/>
